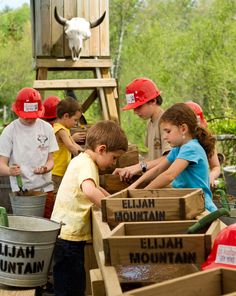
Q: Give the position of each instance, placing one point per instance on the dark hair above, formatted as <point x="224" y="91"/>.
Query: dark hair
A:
<point x="108" y="133"/>
<point x="158" y="100"/>
<point x="181" y="113"/>
<point x="68" y="105"/>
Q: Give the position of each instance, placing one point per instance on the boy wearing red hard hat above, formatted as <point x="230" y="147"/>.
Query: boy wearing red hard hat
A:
<point x="144" y="98"/>
<point x="27" y="145"/>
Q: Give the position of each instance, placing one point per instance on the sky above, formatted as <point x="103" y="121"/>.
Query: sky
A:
<point x="12" y="3"/>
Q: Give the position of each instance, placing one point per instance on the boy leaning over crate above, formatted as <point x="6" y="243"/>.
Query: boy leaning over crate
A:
<point x="79" y="190"/>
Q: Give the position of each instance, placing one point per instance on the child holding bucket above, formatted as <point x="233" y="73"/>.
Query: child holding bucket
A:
<point x="79" y="190"/>
<point x="27" y="145"/>
<point x="68" y="114"/>
<point x="186" y="166"/>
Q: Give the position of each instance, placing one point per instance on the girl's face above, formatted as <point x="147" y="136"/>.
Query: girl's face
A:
<point x="71" y="121"/>
<point x="174" y="135"/>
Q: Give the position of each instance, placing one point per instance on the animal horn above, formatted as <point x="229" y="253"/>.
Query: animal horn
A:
<point x="98" y="21"/>
<point x="61" y="20"/>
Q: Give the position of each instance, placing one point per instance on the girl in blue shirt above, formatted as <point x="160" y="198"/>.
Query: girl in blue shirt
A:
<point x="186" y="166"/>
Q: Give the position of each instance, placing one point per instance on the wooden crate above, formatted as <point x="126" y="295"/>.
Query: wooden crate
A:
<point x="152" y="205"/>
<point x="165" y="242"/>
<point x="215" y="282"/>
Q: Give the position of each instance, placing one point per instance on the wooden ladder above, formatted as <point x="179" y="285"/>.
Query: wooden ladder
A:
<point x="104" y="87"/>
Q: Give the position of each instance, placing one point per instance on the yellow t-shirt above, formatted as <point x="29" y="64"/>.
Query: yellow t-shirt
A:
<point x="72" y="207"/>
<point x="62" y="156"/>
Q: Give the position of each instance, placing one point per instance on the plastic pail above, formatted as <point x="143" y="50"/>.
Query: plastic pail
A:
<point x="26" y="249"/>
<point x="230" y="179"/>
<point x="32" y="204"/>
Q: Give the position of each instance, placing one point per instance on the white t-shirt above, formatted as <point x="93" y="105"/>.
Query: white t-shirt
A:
<point x="29" y="146"/>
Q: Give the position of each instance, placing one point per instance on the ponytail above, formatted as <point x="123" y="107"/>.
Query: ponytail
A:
<point x="206" y="139"/>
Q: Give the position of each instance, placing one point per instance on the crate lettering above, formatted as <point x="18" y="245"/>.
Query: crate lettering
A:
<point x="155" y="243"/>
<point x="164" y="257"/>
<point x="139" y="216"/>
<point x="138" y="204"/>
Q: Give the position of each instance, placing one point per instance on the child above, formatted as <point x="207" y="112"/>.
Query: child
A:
<point x="213" y="160"/>
<point x="186" y="166"/>
<point x="144" y="97"/>
<point x="68" y="114"/>
<point x="27" y="145"/>
<point x="50" y="106"/>
<point x="78" y="191"/>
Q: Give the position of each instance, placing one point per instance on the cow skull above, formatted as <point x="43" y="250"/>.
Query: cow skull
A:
<point x="77" y="30"/>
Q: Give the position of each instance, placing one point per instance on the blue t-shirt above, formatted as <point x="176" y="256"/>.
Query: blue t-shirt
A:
<point x="196" y="174"/>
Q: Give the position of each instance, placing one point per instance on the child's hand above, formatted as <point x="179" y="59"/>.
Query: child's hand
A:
<point x="14" y="170"/>
<point x="41" y="170"/>
<point x="79" y="137"/>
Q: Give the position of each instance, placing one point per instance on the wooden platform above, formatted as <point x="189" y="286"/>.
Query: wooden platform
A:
<point x="16" y="291"/>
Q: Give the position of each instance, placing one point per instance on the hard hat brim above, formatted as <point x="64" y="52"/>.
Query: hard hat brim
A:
<point x="135" y="104"/>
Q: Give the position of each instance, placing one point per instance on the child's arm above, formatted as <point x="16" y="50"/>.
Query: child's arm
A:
<point x="69" y="142"/>
<point x="47" y="167"/>
<point x="6" y="170"/>
<point x="93" y="193"/>
<point x="127" y="173"/>
<point x="167" y="176"/>
<point x="151" y="174"/>
<point x="104" y="191"/>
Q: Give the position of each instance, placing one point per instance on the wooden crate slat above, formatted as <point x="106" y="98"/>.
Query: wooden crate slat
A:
<point x="46" y="23"/>
<point x="73" y="84"/>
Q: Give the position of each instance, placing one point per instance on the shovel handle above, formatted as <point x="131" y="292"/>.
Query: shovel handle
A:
<point x="3" y="217"/>
<point x="19" y="181"/>
<point x="195" y="228"/>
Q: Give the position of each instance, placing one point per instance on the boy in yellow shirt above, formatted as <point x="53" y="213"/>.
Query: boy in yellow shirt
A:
<point x="68" y="115"/>
<point x="79" y="190"/>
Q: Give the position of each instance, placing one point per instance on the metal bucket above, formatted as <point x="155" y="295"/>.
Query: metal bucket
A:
<point x="230" y="179"/>
<point x="31" y="203"/>
<point x="26" y="249"/>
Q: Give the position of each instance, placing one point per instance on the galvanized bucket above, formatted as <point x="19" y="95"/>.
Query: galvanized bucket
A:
<point x="230" y="179"/>
<point x="31" y="203"/>
<point x="26" y="249"/>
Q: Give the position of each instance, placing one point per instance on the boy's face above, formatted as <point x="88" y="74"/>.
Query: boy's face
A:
<point x="105" y="159"/>
<point x="71" y="121"/>
<point x="144" y="111"/>
<point x="27" y="121"/>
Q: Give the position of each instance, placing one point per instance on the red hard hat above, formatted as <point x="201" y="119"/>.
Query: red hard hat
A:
<point x="223" y="253"/>
<point x="139" y="92"/>
<point x="198" y="111"/>
<point x="50" y="105"/>
<point x="28" y="103"/>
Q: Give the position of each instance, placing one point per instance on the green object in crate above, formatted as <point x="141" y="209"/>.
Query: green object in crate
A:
<point x="205" y="221"/>
<point x="3" y="217"/>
